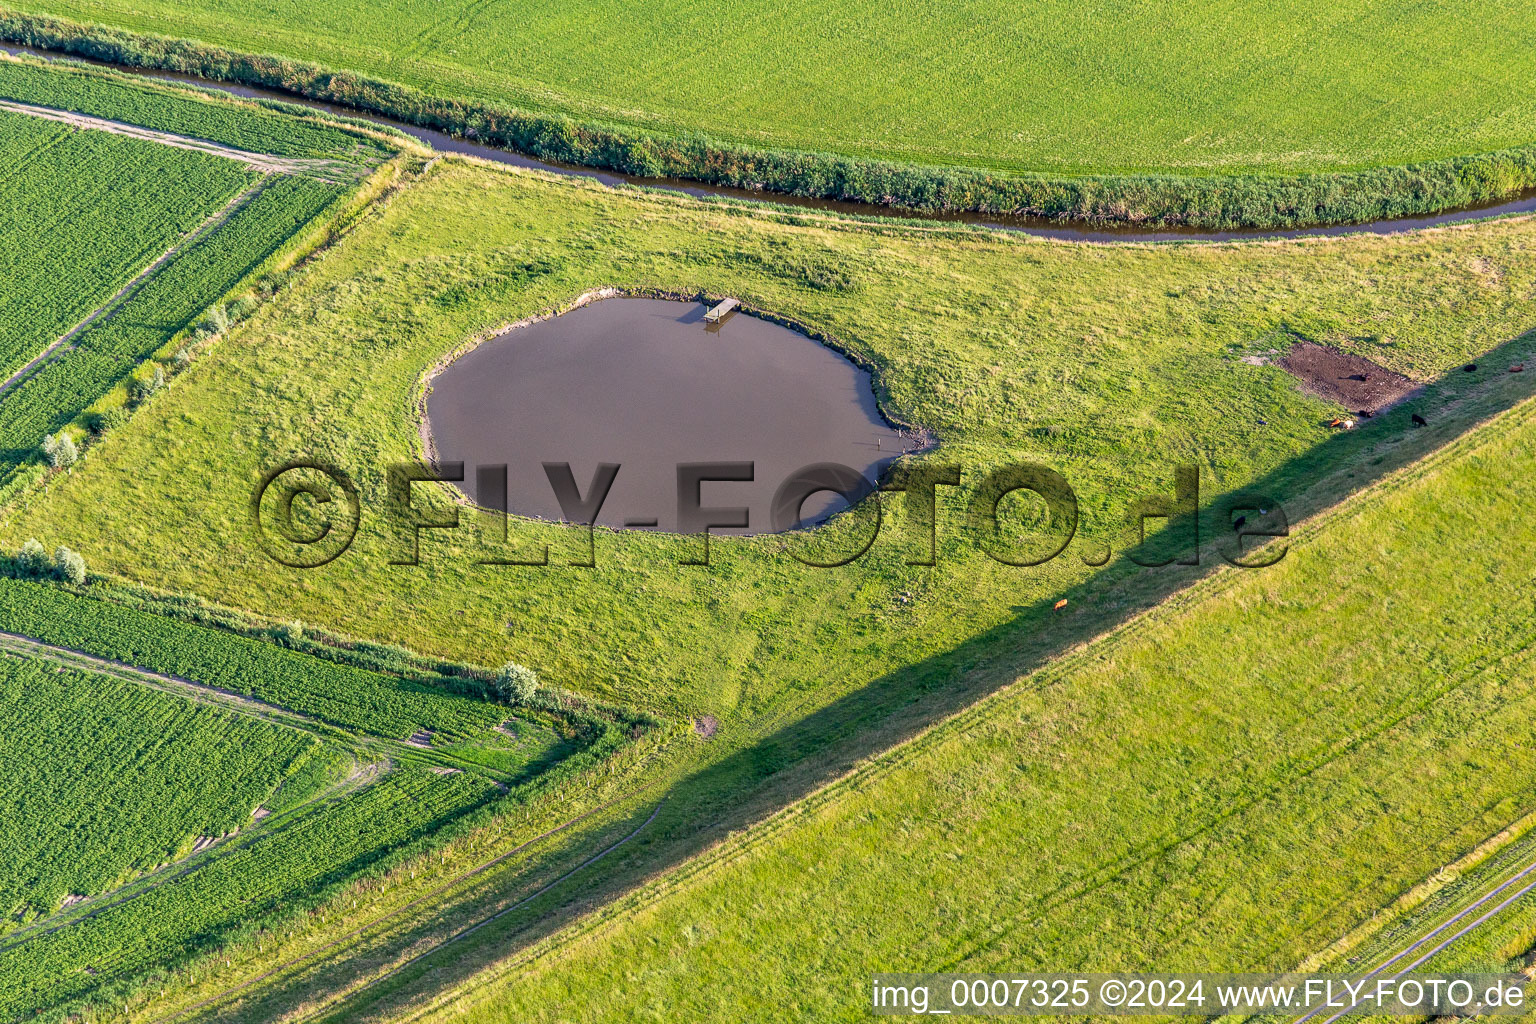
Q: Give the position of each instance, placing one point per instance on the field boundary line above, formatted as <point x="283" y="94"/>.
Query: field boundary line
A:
<point x="179" y="686"/>
<point x="109" y="308"/>
<point x="267" y="163"/>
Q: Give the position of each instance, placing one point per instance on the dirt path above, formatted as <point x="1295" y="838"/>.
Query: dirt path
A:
<point x="264" y="162"/>
<point x="113" y="303"/>
<point x="229" y="700"/>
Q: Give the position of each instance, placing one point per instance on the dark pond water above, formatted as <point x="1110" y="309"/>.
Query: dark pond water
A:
<point x="646" y="384"/>
<point x="1525" y="202"/>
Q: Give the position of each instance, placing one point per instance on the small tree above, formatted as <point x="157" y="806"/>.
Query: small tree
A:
<point x="60" y="450"/>
<point x="32" y="559"/>
<point x="69" y="566"/>
<point x="516" y="684"/>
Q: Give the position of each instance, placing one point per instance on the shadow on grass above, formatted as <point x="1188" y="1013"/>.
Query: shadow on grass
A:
<point x="743" y="786"/>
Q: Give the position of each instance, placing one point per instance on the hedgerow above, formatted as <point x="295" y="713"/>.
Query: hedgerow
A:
<point x="1218" y="201"/>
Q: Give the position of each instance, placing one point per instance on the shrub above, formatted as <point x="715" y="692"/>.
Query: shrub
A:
<point x="216" y="322"/>
<point x="140" y="389"/>
<point x="107" y="419"/>
<point x="32" y="559"/>
<point x="68" y="565"/>
<point x="60" y="450"/>
<point x="516" y="684"/>
<point x="241" y="308"/>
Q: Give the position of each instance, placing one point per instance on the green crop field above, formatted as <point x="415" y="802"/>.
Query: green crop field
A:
<point x="140" y="238"/>
<point x="141" y="774"/>
<point x="1053" y="86"/>
<point x="252" y="883"/>
<point x="342" y="695"/>
<point x="246" y="126"/>
<point x="63" y="193"/>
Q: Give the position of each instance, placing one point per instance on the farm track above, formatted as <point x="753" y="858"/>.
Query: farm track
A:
<point x="105" y="311"/>
<point x="266" y="163"/>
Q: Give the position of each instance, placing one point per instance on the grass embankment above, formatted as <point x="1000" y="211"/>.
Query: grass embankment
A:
<point x="1246" y="115"/>
<point x="1226" y="784"/>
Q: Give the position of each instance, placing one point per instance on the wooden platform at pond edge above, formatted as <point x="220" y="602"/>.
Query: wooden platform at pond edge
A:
<point x="717" y="314"/>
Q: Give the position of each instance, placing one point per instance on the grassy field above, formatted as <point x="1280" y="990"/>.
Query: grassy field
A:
<point x="1112" y="364"/>
<point x="1229" y="783"/>
<point x="1233" y="85"/>
<point x="104" y="779"/>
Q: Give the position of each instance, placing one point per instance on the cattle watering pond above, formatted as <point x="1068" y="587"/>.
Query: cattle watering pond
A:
<point x="680" y="406"/>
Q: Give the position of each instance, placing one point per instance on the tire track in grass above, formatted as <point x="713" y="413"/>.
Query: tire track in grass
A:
<point x="1454" y="919"/>
<point x="420" y="900"/>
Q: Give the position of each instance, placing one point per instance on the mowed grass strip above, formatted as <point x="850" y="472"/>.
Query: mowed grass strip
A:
<point x="81" y="213"/>
<point x="1227" y="784"/>
<point x="104" y="778"/>
<point x="1216" y="87"/>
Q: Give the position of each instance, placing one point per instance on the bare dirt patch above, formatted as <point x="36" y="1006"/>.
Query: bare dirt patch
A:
<point x="1352" y="381"/>
<point x="421" y="738"/>
<point x="706" y="725"/>
<point x="259" y="813"/>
